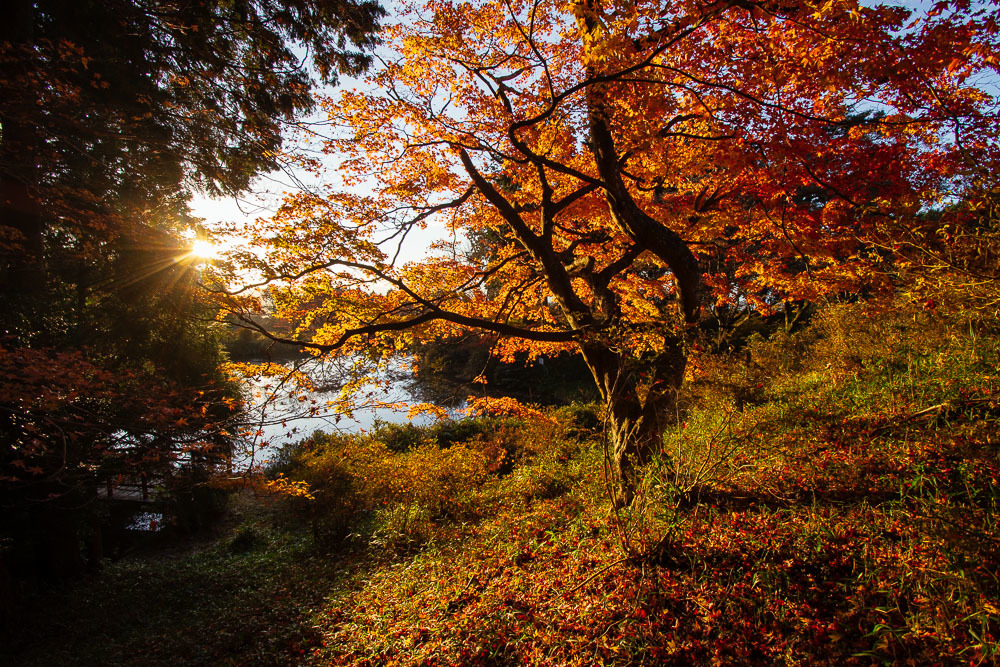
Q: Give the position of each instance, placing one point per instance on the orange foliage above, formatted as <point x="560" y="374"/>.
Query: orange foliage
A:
<point x="621" y="167"/>
<point x="505" y="406"/>
<point x="283" y="487"/>
<point x="774" y="142"/>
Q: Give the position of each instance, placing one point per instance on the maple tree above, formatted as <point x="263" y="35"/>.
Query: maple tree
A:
<point x="636" y="166"/>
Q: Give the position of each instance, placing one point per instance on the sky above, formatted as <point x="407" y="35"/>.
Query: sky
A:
<point x="266" y="194"/>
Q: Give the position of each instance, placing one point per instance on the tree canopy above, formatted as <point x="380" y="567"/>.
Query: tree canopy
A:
<point x="636" y="166"/>
<point x="111" y="114"/>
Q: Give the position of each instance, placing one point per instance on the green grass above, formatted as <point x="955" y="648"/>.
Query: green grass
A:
<point x="829" y="497"/>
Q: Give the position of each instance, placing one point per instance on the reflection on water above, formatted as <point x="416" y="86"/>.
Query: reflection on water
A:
<point x="302" y="397"/>
<point x="147" y="522"/>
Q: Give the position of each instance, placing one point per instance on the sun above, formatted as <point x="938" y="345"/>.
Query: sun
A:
<point x="203" y="249"/>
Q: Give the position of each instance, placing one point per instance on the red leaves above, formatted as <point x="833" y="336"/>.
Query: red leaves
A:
<point x="70" y="419"/>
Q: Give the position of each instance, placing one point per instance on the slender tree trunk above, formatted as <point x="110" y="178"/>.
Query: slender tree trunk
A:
<point x="640" y="397"/>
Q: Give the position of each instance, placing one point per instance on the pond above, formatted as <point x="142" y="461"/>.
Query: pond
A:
<point x="291" y="402"/>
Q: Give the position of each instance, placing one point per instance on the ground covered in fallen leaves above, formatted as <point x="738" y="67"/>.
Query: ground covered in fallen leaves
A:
<point x="828" y="496"/>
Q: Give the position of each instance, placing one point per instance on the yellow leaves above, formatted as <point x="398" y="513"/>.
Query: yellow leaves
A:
<point x="436" y="411"/>
<point x="236" y="370"/>
<point x="825" y="8"/>
<point x="283" y="487"/>
<point x="505" y="407"/>
<point x="364" y="474"/>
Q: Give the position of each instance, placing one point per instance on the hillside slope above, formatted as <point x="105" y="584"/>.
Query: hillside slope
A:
<point x="828" y="497"/>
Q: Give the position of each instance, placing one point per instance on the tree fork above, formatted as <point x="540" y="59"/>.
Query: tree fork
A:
<point x="637" y="409"/>
<point x="640" y="227"/>
<point x="639" y="395"/>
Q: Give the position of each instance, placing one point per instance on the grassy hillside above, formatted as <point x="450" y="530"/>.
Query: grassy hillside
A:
<point x="827" y="497"/>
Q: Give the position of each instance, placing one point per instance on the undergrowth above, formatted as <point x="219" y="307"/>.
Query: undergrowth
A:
<point x="827" y="496"/>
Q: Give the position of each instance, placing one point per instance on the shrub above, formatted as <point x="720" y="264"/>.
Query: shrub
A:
<point x="707" y="449"/>
<point x="360" y="483"/>
<point x="399" y="437"/>
<point x="581" y="420"/>
<point x="547" y="477"/>
<point x="400" y="484"/>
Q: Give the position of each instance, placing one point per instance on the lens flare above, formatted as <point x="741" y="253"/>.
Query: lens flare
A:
<point x="203" y="249"/>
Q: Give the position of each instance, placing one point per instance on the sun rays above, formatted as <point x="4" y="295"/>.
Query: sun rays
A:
<point x="203" y="250"/>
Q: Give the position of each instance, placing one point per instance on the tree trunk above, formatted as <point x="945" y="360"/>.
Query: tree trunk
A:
<point x="639" y="390"/>
<point x="640" y="396"/>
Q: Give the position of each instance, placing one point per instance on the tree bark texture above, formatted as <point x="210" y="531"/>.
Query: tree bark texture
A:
<point x="640" y="397"/>
<point x="639" y="390"/>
